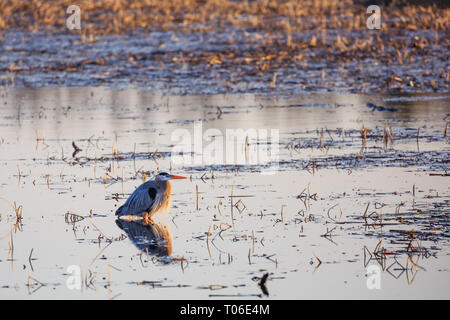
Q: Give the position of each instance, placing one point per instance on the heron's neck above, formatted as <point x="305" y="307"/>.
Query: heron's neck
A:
<point x="168" y="188"/>
<point x="165" y="185"/>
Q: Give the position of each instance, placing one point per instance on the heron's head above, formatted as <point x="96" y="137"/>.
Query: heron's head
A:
<point x="164" y="176"/>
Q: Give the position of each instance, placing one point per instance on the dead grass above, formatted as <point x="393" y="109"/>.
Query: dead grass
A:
<point x="117" y="16"/>
<point x="282" y="32"/>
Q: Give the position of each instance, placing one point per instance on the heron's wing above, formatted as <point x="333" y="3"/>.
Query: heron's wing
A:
<point x="140" y="201"/>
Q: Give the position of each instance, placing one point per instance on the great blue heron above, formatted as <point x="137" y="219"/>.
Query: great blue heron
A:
<point x="149" y="198"/>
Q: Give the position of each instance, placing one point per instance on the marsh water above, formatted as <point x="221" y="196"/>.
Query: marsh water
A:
<point x="360" y="184"/>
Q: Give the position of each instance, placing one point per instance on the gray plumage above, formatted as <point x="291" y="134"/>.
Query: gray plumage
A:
<point x="146" y="198"/>
<point x="150" y="197"/>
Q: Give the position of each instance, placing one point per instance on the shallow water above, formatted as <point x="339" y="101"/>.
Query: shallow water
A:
<point x="183" y="61"/>
<point x="333" y="197"/>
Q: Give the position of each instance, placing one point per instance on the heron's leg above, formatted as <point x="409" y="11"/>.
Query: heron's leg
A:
<point x="146" y="218"/>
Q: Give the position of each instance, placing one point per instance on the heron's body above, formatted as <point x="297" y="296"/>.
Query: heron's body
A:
<point x="150" y="198"/>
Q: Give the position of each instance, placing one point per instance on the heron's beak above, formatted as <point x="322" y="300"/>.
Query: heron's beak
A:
<point x="177" y="177"/>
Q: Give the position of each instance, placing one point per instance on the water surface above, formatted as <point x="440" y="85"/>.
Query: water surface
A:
<point x="337" y="204"/>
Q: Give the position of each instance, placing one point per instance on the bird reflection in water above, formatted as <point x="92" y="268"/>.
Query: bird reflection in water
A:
<point x="153" y="238"/>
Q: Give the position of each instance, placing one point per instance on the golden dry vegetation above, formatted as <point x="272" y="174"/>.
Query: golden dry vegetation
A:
<point x="282" y="32"/>
<point x="116" y="16"/>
